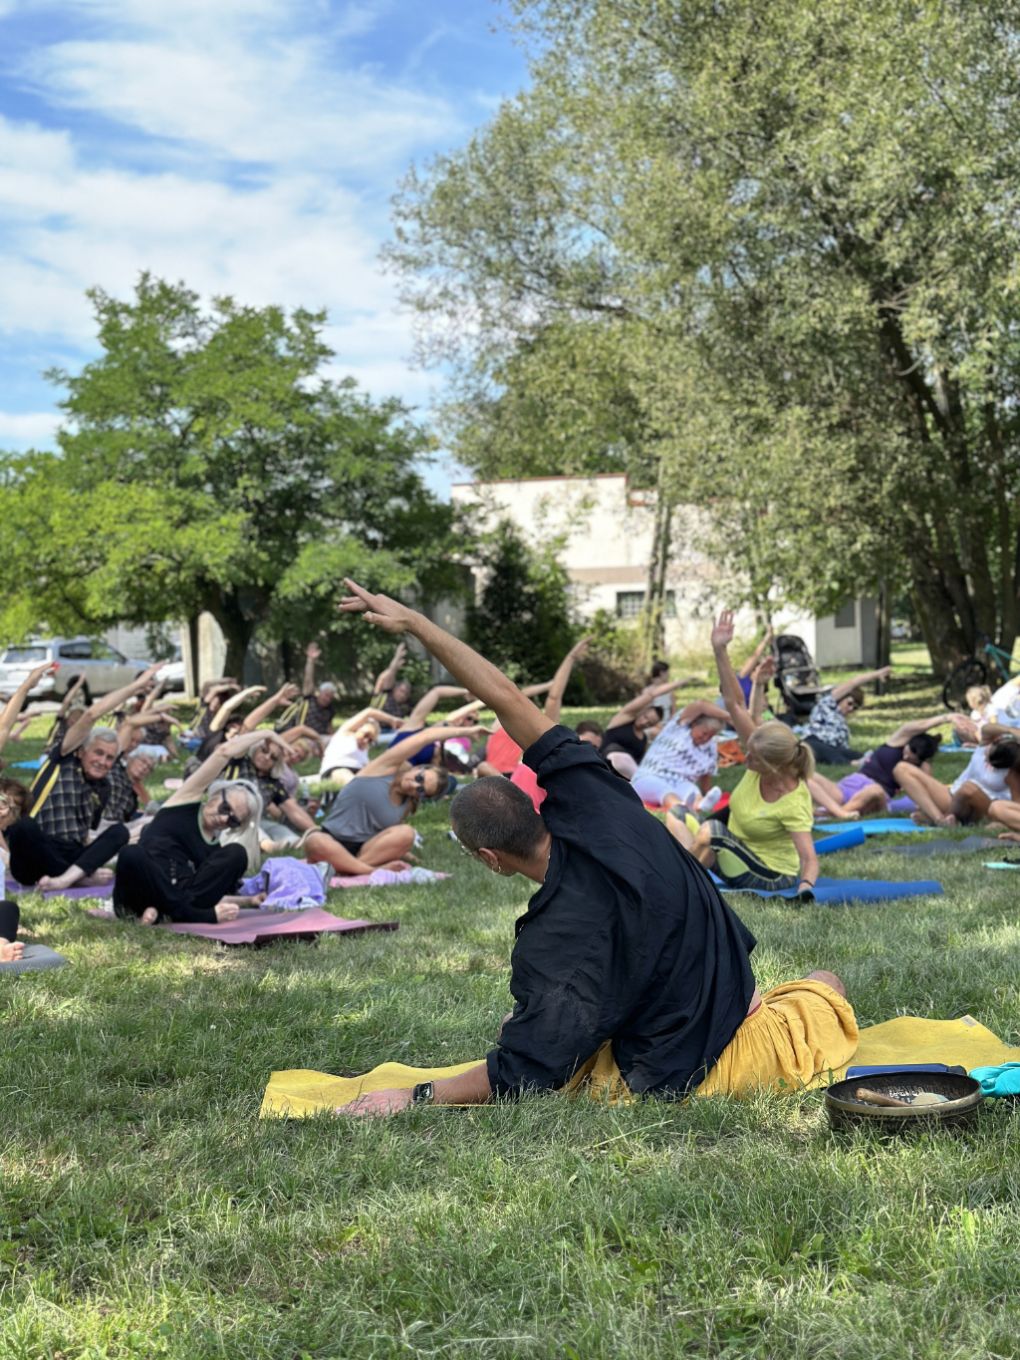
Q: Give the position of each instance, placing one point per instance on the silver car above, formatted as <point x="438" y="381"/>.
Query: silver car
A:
<point x="103" y="667"/>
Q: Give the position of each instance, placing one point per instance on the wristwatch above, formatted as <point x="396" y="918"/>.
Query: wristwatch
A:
<point x="423" y="1094"/>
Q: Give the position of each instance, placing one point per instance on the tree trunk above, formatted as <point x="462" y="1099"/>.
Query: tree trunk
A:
<point x="945" y="638"/>
<point x="193" y="681"/>
<point x="883" y="631"/>
<point x="655" y="596"/>
<point x="237" y="631"/>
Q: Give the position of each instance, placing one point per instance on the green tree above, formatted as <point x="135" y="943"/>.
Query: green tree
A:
<point x="794" y="223"/>
<point x="522" y="620"/>
<point x="206" y="464"/>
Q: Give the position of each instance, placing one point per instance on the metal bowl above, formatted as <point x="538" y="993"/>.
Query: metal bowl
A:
<point x="846" y="1111"/>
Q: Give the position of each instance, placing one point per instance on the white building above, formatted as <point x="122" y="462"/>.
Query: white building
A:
<point x="607" y="529"/>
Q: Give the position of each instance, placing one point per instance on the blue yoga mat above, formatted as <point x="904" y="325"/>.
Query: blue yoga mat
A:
<point x="836" y="890"/>
<point x="878" y="826"/>
<point x="842" y="840"/>
<point x="27" y="764"/>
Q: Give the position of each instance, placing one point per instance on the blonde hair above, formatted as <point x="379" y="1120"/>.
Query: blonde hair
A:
<point x="978" y="696"/>
<point x="779" y="750"/>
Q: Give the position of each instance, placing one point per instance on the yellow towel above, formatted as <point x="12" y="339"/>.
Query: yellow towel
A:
<point x="301" y="1092"/>
<point x="908" y="1038"/>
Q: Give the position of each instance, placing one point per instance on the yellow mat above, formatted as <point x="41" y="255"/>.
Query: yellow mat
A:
<point x="908" y="1038"/>
<point x="964" y="1042"/>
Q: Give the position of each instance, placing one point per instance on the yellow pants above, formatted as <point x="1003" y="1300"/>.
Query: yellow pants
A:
<point x="800" y="1033"/>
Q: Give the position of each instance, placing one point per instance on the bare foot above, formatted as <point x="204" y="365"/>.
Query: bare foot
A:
<point x="149" y="916"/>
<point x="60" y="882"/>
<point x="947" y="820"/>
<point x="396" y="866"/>
<point x="227" y="911"/>
<point x="9" y="951"/>
<point x="844" y="816"/>
<point x="100" y="876"/>
<point x="1009" y="835"/>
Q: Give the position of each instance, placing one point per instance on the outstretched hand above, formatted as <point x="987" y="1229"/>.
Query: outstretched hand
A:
<point x="241" y="744"/>
<point x="376" y="1103"/>
<point x="385" y="613"/>
<point x="722" y="632"/>
<point x="313" y="651"/>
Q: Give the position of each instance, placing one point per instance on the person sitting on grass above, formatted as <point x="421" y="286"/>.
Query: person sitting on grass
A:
<point x="366" y="827"/>
<point x="625" y="741"/>
<point x="284" y="820"/>
<point x="679" y="766"/>
<point x="390" y="692"/>
<point x="827" y="731"/>
<point x="628" y="970"/>
<point x="51" y="845"/>
<point x="315" y="706"/>
<point x="987" y="778"/>
<point x="767" y="843"/>
<point x="877" y="787"/>
<point x="178" y="870"/>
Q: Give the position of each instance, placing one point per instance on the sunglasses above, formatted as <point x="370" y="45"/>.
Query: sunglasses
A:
<point x="227" y="812"/>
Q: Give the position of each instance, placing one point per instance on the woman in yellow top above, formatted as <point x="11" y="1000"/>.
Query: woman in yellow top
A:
<point x="767" y="843"/>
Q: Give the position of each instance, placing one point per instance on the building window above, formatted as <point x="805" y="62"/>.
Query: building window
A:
<point x="629" y="604"/>
<point x="847" y="616"/>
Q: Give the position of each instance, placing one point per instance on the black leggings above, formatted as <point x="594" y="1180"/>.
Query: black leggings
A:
<point x="35" y="855"/>
<point x="9" y="917"/>
<point x="144" y="881"/>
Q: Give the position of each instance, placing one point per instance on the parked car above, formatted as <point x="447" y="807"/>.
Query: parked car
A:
<point x="172" y="674"/>
<point x="104" y="668"/>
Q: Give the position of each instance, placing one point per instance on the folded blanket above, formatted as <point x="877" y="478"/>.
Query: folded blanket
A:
<point x="289" y="884"/>
<point x="385" y="878"/>
<point x="907" y="1039"/>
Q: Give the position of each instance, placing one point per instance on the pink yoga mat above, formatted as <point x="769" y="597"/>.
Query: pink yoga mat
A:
<point x="259" y="927"/>
<point x="101" y="890"/>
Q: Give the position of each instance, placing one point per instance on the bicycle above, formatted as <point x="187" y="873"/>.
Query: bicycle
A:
<point x="991" y="666"/>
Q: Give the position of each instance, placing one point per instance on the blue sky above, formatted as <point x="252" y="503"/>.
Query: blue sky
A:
<point x="247" y="147"/>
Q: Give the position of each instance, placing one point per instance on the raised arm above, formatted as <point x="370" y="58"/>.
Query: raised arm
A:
<point x="428" y="701"/>
<point x="219" y="718"/>
<point x="733" y="697"/>
<point x="195" y="785"/>
<point x="640" y="702"/>
<point x="841" y="691"/>
<point x="394" y="756"/>
<point x="285" y="695"/>
<point x="752" y="661"/>
<point x="912" y="729"/>
<point x="17" y="700"/>
<point x="763" y="673"/>
<point x="377" y="714"/>
<point x="312" y="654"/>
<point x="77" y="732"/>
<point x="387" y="678"/>
<point x="560" y="681"/>
<point x="518" y="714"/>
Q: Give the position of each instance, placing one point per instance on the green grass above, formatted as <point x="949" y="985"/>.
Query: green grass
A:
<point x="146" y="1212"/>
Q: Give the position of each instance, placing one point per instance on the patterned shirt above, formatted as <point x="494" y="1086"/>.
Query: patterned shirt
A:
<point x="827" y="724"/>
<point x="122" y="804"/>
<point x="271" y="790"/>
<point x="674" y="755"/>
<point x="66" y="805"/>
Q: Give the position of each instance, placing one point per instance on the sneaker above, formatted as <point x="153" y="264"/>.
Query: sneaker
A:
<point x="710" y="800"/>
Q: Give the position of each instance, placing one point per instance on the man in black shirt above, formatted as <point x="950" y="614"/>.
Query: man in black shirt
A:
<point x="627" y="957"/>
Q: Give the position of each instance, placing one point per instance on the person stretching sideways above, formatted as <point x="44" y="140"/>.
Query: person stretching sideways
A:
<point x="628" y="967"/>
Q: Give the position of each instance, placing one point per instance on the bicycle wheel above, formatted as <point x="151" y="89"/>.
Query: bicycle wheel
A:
<point x="971" y="671"/>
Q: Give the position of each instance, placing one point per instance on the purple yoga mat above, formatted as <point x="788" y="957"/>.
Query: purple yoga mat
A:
<point x="101" y="890"/>
<point x="259" y="927"/>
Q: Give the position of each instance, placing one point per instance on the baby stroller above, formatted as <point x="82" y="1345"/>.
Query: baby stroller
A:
<point x="796" y="674"/>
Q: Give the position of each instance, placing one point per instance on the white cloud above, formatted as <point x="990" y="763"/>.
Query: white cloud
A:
<point x="22" y="430"/>
<point x="267" y="154"/>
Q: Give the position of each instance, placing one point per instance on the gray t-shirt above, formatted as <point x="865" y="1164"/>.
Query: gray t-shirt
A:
<point x="364" y="808"/>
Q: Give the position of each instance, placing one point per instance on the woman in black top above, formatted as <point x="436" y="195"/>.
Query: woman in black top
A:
<point x="177" y="869"/>
<point x="626" y="736"/>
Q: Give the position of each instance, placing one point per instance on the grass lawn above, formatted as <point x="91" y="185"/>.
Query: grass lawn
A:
<point x="146" y="1212"/>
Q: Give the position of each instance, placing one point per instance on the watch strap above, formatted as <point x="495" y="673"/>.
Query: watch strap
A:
<point x="423" y="1094"/>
